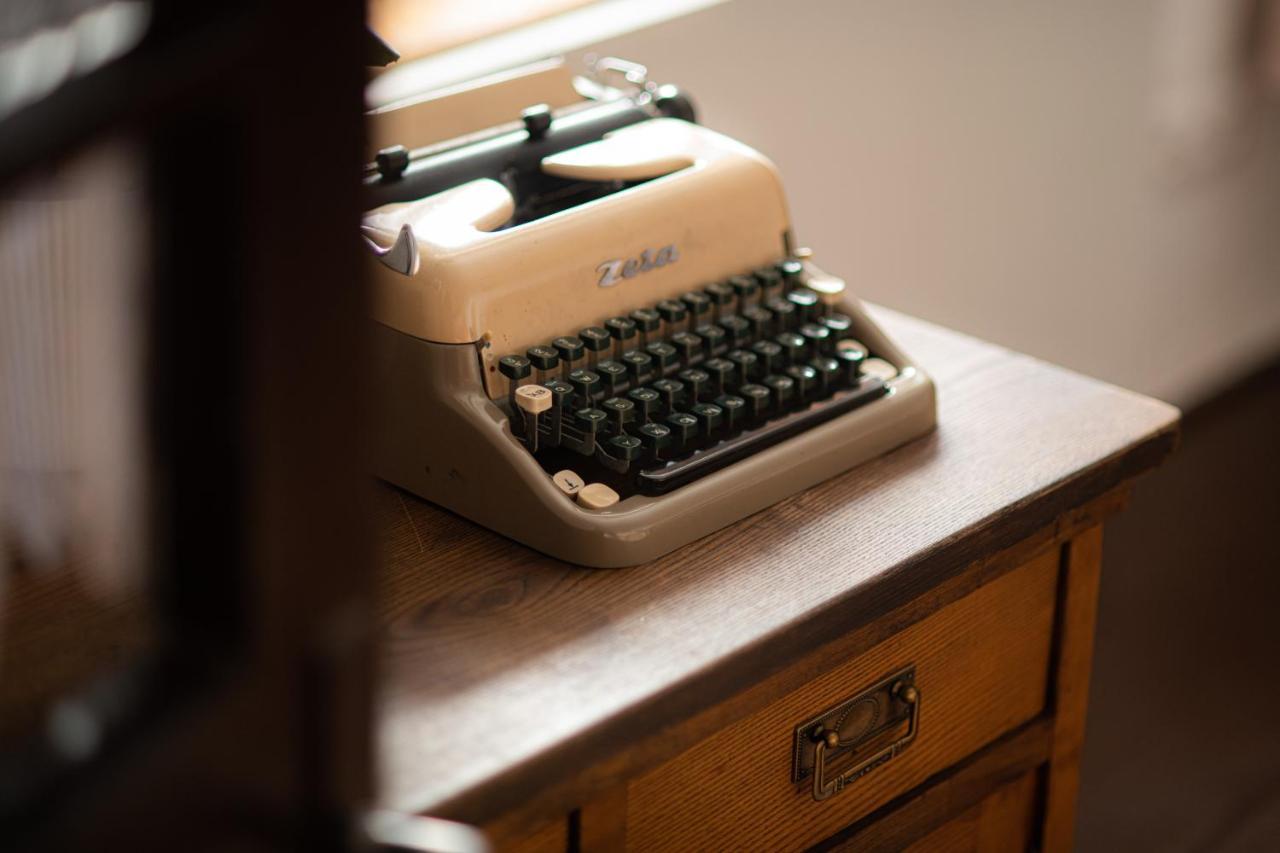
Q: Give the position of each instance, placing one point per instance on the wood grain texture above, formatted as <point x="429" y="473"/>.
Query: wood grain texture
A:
<point x="574" y="667"/>
<point x="1079" y="607"/>
<point x="513" y="837"/>
<point x="982" y="666"/>
<point x="1002" y="821"/>
<point x="603" y="822"/>
<point x="953" y="793"/>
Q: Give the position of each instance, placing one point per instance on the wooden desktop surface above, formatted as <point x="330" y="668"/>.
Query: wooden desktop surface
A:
<point x="506" y="673"/>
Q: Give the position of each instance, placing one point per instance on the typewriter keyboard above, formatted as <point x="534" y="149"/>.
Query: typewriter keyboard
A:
<point x="649" y="402"/>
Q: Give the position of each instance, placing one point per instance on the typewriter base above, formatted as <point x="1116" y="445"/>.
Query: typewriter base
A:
<point x="441" y="438"/>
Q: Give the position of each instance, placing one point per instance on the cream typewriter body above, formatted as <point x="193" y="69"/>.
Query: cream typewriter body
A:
<point x="594" y="332"/>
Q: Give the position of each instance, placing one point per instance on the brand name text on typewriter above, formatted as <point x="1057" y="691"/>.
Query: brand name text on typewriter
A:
<point x="615" y="270"/>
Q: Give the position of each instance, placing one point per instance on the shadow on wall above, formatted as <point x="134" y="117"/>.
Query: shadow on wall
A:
<point x="1181" y="751"/>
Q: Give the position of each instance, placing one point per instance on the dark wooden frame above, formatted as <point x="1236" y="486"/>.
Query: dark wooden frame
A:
<point x="252" y="721"/>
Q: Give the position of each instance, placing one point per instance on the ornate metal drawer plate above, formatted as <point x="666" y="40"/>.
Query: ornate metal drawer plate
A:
<point x="848" y="741"/>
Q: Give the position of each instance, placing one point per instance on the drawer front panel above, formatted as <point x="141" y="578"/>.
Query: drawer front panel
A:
<point x="1005" y="820"/>
<point x="980" y="666"/>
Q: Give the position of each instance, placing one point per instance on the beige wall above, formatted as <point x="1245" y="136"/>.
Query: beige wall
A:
<point x="998" y="167"/>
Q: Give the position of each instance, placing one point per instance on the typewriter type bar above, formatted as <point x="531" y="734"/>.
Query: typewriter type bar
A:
<point x="716" y="375"/>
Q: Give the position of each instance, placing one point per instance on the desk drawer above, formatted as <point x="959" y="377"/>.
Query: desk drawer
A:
<point x="980" y="667"/>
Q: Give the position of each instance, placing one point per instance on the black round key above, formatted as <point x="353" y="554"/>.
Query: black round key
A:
<point x="721" y="373"/>
<point x="793" y="346"/>
<point x="806" y="379"/>
<point x="714" y="338"/>
<point x="670" y="392"/>
<point x="646" y="319"/>
<point x="770" y="280"/>
<point x="720" y="294"/>
<point x="709" y="416"/>
<point x="671" y="310"/>
<point x="757" y="400"/>
<point x="818" y="337"/>
<point x="622" y="328"/>
<point x="561" y="392"/>
<point x="791" y="270"/>
<point x="781" y="390"/>
<point x="697" y="302"/>
<point x="664" y="355"/>
<point x="684" y="428"/>
<point x="745" y="364"/>
<point x="744" y="286"/>
<point x="656" y="437"/>
<point x="624" y="447"/>
<point x="687" y="344"/>
<point x="595" y="338"/>
<point x="621" y="412"/>
<point x="647" y="402"/>
<point x="737" y="330"/>
<point x="839" y="324"/>
<point x="734" y="409"/>
<point x="771" y="356"/>
<point x="829" y="373"/>
<point x="851" y="358"/>
<point x="784" y="313"/>
<point x="612" y="374"/>
<point x="639" y="364"/>
<point x="806" y="302"/>
<point x="696" y="381"/>
<point x="760" y="320"/>
<point x="586" y="383"/>
<point x="590" y="421"/>
<point x="543" y="357"/>
<point x="514" y="367"/>
<point x="569" y="347"/>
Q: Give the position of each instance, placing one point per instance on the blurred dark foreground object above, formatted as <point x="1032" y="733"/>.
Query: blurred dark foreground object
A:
<point x="180" y="364"/>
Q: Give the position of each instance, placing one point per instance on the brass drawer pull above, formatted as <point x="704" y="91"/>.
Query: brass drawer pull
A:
<point x="857" y="730"/>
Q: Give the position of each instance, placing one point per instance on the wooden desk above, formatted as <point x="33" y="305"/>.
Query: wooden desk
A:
<point x="566" y="708"/>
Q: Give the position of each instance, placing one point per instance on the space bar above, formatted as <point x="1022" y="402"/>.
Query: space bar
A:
<point x="658" y="481"/>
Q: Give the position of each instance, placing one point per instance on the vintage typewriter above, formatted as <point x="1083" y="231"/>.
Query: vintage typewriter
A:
<point x="595" y="332"/>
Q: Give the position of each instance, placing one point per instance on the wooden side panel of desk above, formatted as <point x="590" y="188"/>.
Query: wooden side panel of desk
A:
<point x="1078" y="602"/>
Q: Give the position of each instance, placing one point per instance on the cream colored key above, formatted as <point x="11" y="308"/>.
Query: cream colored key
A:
<point x="568" y="482"/>
<point x="851" y="343"/>
<point x="829" y="288"/>
<point x="879" y="368"/>
<point x="597" y="496"/>
<point x="534" y="399"/>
